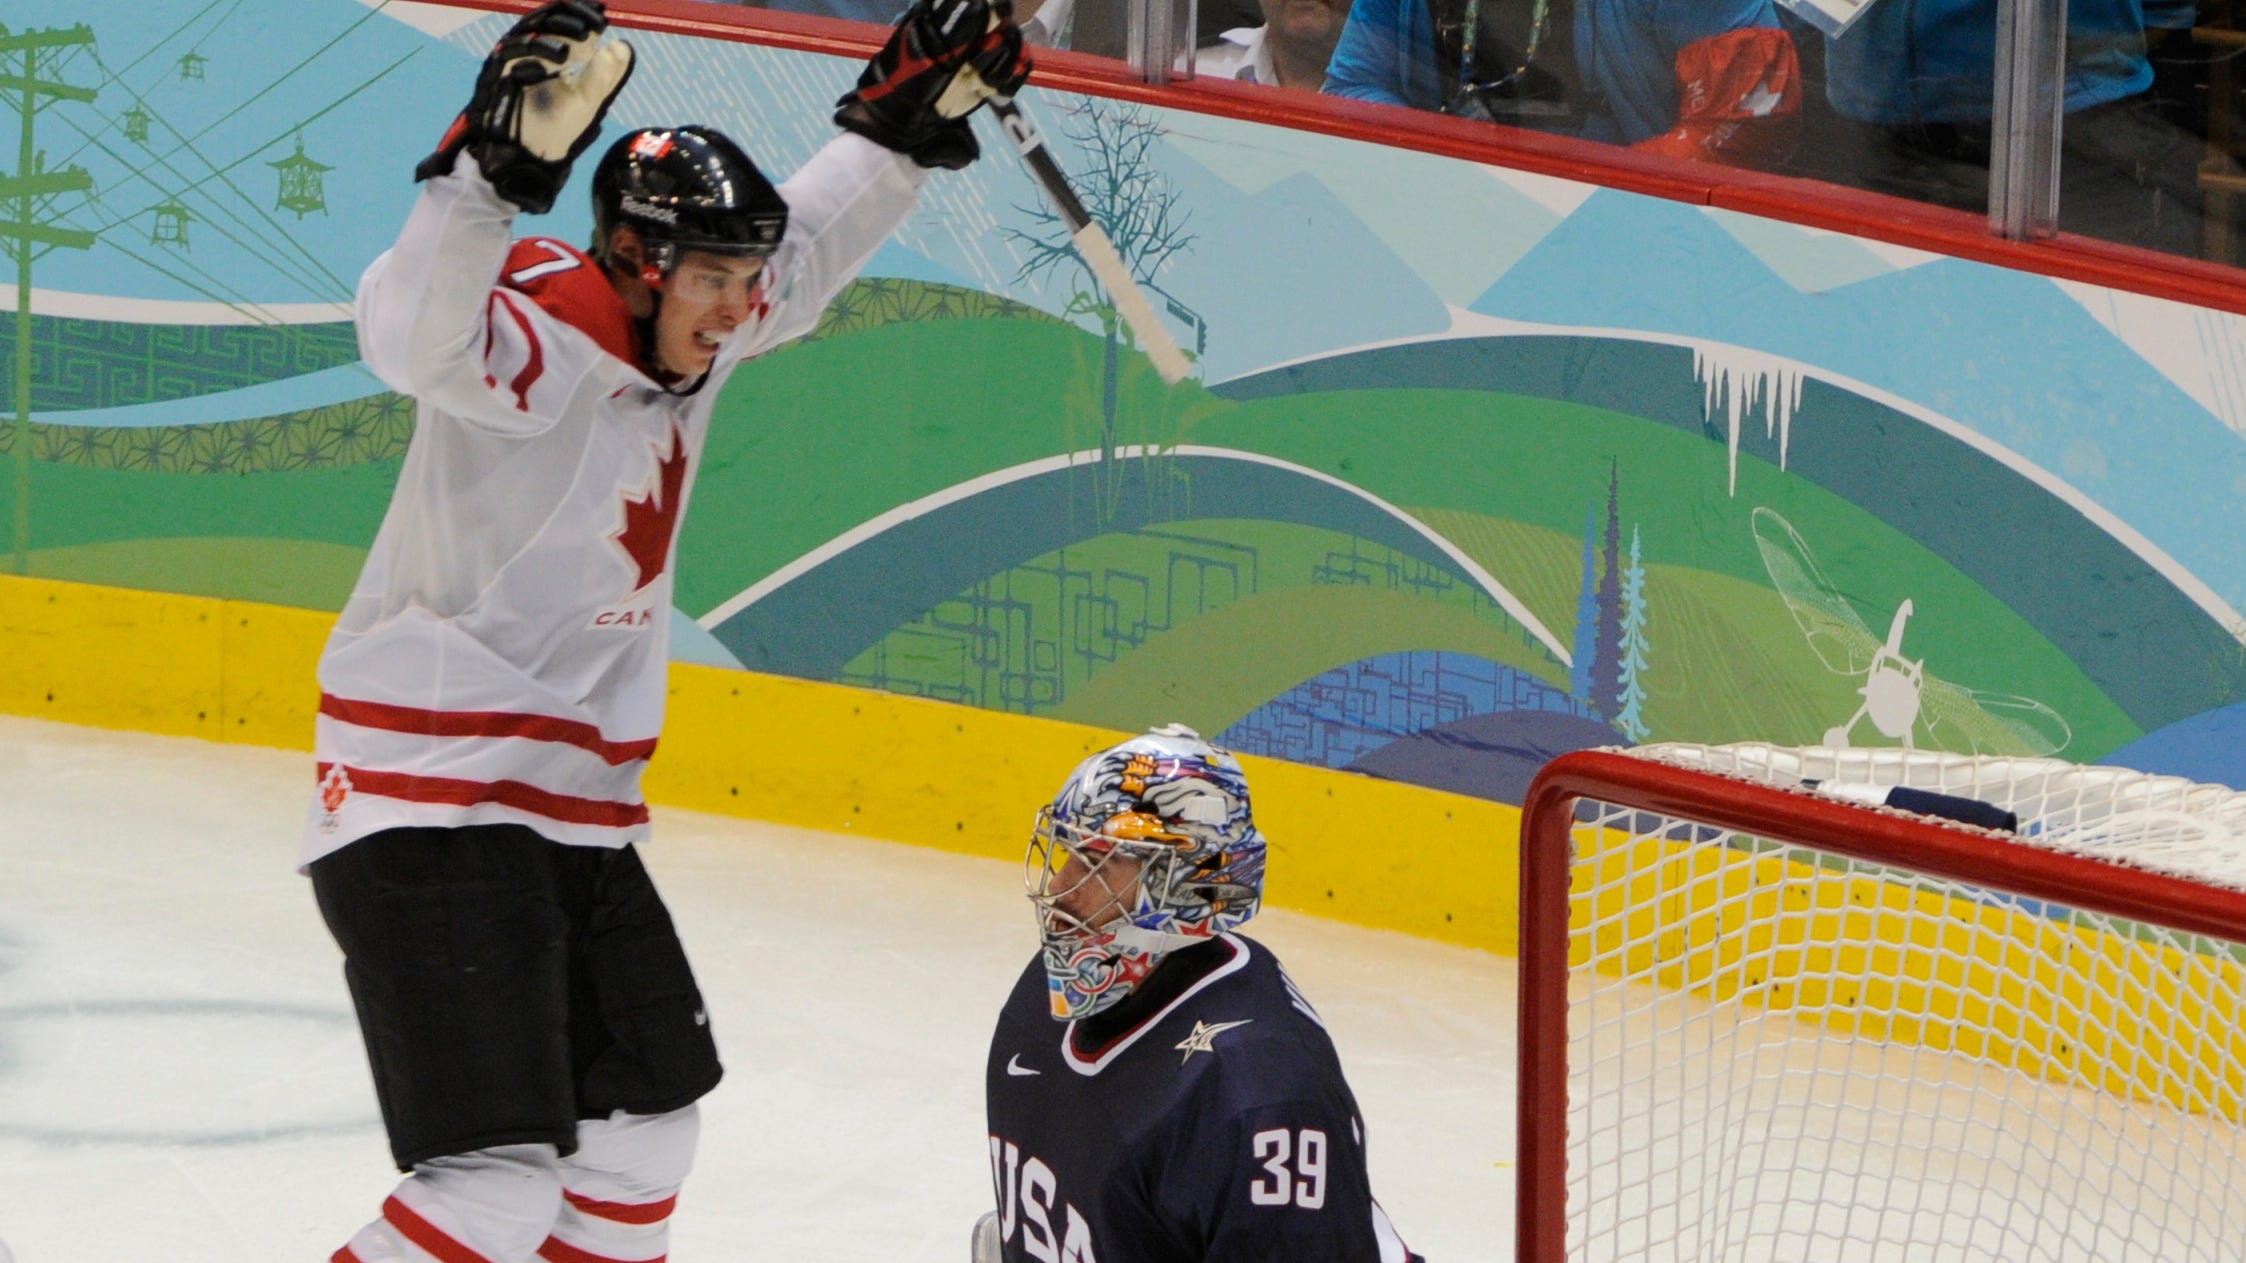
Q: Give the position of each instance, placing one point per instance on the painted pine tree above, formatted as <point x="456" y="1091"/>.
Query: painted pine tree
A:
<point x="1631" y="718"/>
<point x="1586" y="647"/>
<point x="1606" y="668"/>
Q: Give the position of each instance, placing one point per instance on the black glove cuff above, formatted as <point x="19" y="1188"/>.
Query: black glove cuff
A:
<point x="448" y="149"/>
<point x="949" y="144"/>
<point x="529" y="182"/>
<point x="436" y="164"/>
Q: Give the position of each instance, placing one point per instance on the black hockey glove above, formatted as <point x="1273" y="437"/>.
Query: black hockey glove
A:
<point x="945" y="58"/>
<point x="538" y="103"/>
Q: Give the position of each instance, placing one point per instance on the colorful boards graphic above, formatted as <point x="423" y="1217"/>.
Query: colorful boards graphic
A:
<point x="1479" y="466"/>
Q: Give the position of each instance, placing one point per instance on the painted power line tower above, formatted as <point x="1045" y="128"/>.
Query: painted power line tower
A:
<point x="23" y="197"/>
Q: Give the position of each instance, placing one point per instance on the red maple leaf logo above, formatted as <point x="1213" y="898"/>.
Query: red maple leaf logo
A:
<point x="649" y="519"/>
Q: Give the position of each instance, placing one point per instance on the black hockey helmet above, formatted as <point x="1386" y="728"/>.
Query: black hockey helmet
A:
<point x="686" y="188"/>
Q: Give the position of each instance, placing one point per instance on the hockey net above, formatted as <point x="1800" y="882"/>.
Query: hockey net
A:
<point x="1760" y="1021"/>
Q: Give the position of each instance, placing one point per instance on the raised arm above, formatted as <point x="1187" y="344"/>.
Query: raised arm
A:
<point x="907" y="114"/>
<point x="842" y="205"/>
<point x="431" y="323"/>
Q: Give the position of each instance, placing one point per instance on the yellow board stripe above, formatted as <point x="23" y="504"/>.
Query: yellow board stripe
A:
<point x="797" y="752"/>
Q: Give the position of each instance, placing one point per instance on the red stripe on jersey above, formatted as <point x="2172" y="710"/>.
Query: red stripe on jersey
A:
<point x="556" y="1250"/>
<point x="448" y="791"/>
<point x="427" y="1235"/>
<point x="623" y="1212"/>
<point x="534" y="366"/>
<point x="490" y="336"/>
<point x="343" y="1255"/>
<point x="484" y="723"/>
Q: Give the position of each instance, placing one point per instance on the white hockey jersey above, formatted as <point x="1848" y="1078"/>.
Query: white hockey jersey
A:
<point x="502" y="658"/>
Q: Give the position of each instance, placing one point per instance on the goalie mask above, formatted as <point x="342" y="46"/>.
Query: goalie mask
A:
<point x="685" y="188"/>
<point x="1149" y="847"/>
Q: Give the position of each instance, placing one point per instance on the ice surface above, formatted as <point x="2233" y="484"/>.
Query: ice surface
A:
<point x="181" y="1078"/>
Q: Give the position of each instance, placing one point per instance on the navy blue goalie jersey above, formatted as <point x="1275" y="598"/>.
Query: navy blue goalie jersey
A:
<point x="1216" y="1128"/>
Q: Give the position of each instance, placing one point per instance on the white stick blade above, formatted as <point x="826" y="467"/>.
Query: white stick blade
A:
<point x="1130" y="302"/>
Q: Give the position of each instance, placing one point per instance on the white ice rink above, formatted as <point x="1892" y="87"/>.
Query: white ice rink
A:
<point x="181" y="1080"/>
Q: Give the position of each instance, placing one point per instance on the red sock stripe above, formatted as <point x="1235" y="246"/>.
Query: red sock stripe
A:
<point x="427" y="1235"/>
<point x="343" y="1255"/>
<point x="557" y="1250"/>
<point x="624" y="1212"/>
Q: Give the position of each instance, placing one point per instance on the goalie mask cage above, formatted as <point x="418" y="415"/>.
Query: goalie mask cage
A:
<point x="1758" y="1022"/>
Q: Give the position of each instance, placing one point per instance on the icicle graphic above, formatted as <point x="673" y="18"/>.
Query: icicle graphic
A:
<point x="1744" y="380"/>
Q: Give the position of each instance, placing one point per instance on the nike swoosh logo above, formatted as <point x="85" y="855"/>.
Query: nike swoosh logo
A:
<point x="1015" y="1067"/>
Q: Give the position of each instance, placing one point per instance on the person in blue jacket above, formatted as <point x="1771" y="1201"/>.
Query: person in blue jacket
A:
<point x="1706" y="79"/>
<point x="1913" y="83"/>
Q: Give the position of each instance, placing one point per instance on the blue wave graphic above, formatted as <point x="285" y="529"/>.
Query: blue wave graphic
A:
<point x="1343" y="714"/>
<point x="266" y="399"/>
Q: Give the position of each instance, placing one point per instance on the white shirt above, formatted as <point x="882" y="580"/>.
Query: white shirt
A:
<point x="503" y="656"/>
<point x="1237" y="54"/>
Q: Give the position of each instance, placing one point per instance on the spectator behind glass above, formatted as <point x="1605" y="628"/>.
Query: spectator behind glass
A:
<point x="1044" y="23"/>
<point x="879" y="12"/>
<point x="1710" y="79"/>
<point x="1290" y="50"/>
<point x="2180" y="65"/>
<point x="1102" y="27"/>
<point x="1912" y="84"/>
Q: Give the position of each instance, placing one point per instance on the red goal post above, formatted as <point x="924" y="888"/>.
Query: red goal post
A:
<point x="1758" y="1021"/>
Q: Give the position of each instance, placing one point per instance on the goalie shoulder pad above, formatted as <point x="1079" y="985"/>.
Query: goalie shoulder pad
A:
<point x="570" y="286"/>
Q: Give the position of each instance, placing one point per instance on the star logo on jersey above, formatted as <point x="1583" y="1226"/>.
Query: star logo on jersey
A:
<point x="650" y="518"/>
<point x="1204" y="1035"/>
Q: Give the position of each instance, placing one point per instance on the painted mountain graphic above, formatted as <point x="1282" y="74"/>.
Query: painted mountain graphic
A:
<point x="1492" y="756"/>
<point x="1463" y="226"/>
<point x="1290" y="271"/>
<point x="1974" y="343"/>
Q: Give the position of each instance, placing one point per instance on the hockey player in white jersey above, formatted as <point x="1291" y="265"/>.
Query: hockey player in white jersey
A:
<point x="495" y="685"/>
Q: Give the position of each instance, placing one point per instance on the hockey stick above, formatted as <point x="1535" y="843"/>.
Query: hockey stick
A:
<point x="1093" y="246"/>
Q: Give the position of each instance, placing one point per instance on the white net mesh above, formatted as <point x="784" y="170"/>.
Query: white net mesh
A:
<point x="1781" y="1053"/>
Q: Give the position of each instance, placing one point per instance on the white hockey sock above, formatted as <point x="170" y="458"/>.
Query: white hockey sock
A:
<point x="490" y="1206"/>
<point x="619" y="1187"/>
